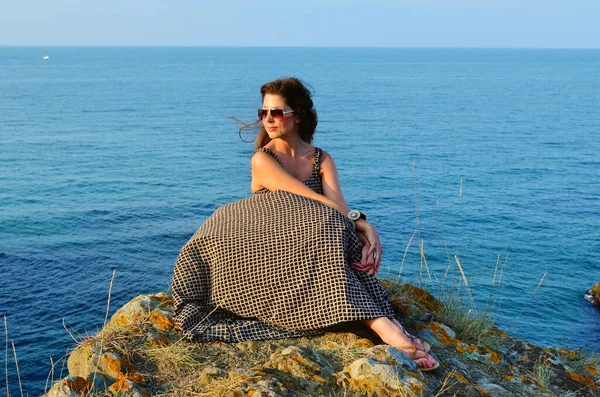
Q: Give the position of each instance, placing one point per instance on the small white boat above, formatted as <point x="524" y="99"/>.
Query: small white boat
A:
<point x="45" y="57"/>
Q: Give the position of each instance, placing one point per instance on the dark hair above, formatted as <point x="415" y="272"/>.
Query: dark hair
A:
<point x="298" y="98"/>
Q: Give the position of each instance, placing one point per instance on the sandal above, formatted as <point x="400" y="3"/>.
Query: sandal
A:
<point x="411" y="352"/>
<point x="426" y="347"/>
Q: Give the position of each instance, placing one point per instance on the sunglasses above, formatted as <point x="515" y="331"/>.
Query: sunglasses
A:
<point x="275" y="113"/>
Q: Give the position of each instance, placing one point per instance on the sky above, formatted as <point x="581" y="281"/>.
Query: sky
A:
<point x="351" y="23"/>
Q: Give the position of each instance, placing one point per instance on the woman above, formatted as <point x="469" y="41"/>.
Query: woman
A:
<point x="286" y="261"/>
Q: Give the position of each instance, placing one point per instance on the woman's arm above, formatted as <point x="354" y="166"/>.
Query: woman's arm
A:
<point x="268" y="173"/>
<point x="366" y="231"/>
<point x="331" y="183"/>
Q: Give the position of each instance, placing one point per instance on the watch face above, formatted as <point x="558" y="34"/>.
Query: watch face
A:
<point x="354" y="215"/>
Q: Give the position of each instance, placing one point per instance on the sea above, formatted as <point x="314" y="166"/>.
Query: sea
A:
<point x="111" y="158"/>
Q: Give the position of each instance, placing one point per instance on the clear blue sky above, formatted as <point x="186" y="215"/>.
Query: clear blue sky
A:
<point x="397" y="23"/>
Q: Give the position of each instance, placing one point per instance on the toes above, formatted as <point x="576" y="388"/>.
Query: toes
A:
<point x="425" y="362"/>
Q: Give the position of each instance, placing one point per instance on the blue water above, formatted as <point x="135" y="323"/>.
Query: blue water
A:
<point x="110" y="158"/>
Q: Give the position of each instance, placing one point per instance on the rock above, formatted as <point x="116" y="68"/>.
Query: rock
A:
<point x="449" y="331"/>
<point x="97" y="382"/>
<point x="60" y="390"/>
<point x="390" y="355"/>
<point x="456" y="363"/>
<point x="303" y="363"/>
<point x="214" y="372"/>
<point x="88" y="359"/>
<point x="494" y="390"/>
<point x="71" y="386"/>
<point x="210" y="373"/>
<point x="244" y="372"/>
<point x="428" y="336"/>
<point x="593" y="295"/>
<point x="125" y="387"/>
<point x="155" y="309"/>
<point x="339" y="362"/>
<point x="372" y="376"/>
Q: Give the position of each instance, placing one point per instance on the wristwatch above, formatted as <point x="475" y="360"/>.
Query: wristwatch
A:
<point x="355" y="215"/>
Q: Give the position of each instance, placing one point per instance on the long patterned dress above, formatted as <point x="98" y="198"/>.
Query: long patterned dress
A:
<point x="273" y="265"/>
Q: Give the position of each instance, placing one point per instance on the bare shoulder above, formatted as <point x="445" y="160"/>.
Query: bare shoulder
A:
<point x="261" y="159"/>
<point x="327" y="162"/>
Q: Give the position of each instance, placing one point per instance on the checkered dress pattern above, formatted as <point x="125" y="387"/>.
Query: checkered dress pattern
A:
<point x="273" y="265"/>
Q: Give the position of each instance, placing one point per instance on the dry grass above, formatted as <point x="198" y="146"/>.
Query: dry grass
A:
<point x="542" y="373"/>
<point x="469" y="325"/>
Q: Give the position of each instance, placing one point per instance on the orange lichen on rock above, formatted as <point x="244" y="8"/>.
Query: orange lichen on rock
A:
<point x="423" y="297"/>
<point x="122" y="385"/>
<point x="575" y="377"/>
<point x="482" y="390"/>
<point x="592" y="370"/>
<point x="417" y="388"/>
<point x="301" y="360"/>
<point x="524" y="358"/>
<point x="440" y="333"/>
<point x="461" y="378"/>
<point x="77" y="384"/>
<point x="318" y="378"/>
<point x="580" y="378"/>
<point x="461" y="347"/>
<point x="124" y="319"/>
<point x="112" y="362"/>
<point x="163" y="322"/>
<point x="136" y="377"/>
<point x="493" y="358"/>
<point x="508" y="377"/>
<point x="569" y="353"/>
<point x="360" y="384"/>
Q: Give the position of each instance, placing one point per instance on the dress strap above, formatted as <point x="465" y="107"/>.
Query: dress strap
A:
<point x="317" y="160"/>
<point x="270" y="153"/>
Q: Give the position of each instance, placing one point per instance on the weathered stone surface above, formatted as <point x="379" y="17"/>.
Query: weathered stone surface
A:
<point x="97" y="382"/>
<point x="428" y="336"/>
<point x="448" y="330"/>
<point x="456" y="363"/>
<point x="392" y="356"/>
<point x="60" y="390"/>
<point x="495" y="390"/>
<point x="341" y="362"/>
<point x="88" y="358"/>
<point x="155" y="309"/>
<point x="372" y="376"/>
<point x="304" y="363"/>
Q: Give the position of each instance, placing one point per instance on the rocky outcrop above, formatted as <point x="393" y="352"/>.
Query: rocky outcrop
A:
<point x="140" y="353"/>
<point x="593" y="295"/>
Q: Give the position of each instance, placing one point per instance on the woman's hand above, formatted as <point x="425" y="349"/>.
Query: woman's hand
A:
<point x="371" y="251"/>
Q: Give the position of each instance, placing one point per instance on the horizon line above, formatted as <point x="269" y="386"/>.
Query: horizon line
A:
<point x="299" y="46"/>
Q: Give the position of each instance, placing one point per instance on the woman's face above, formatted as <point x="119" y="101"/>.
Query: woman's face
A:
<point x="278" y="127"/>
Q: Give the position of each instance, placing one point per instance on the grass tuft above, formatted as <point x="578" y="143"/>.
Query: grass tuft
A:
<point x="469" y="325"/>
<point x="543" y="374"/>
